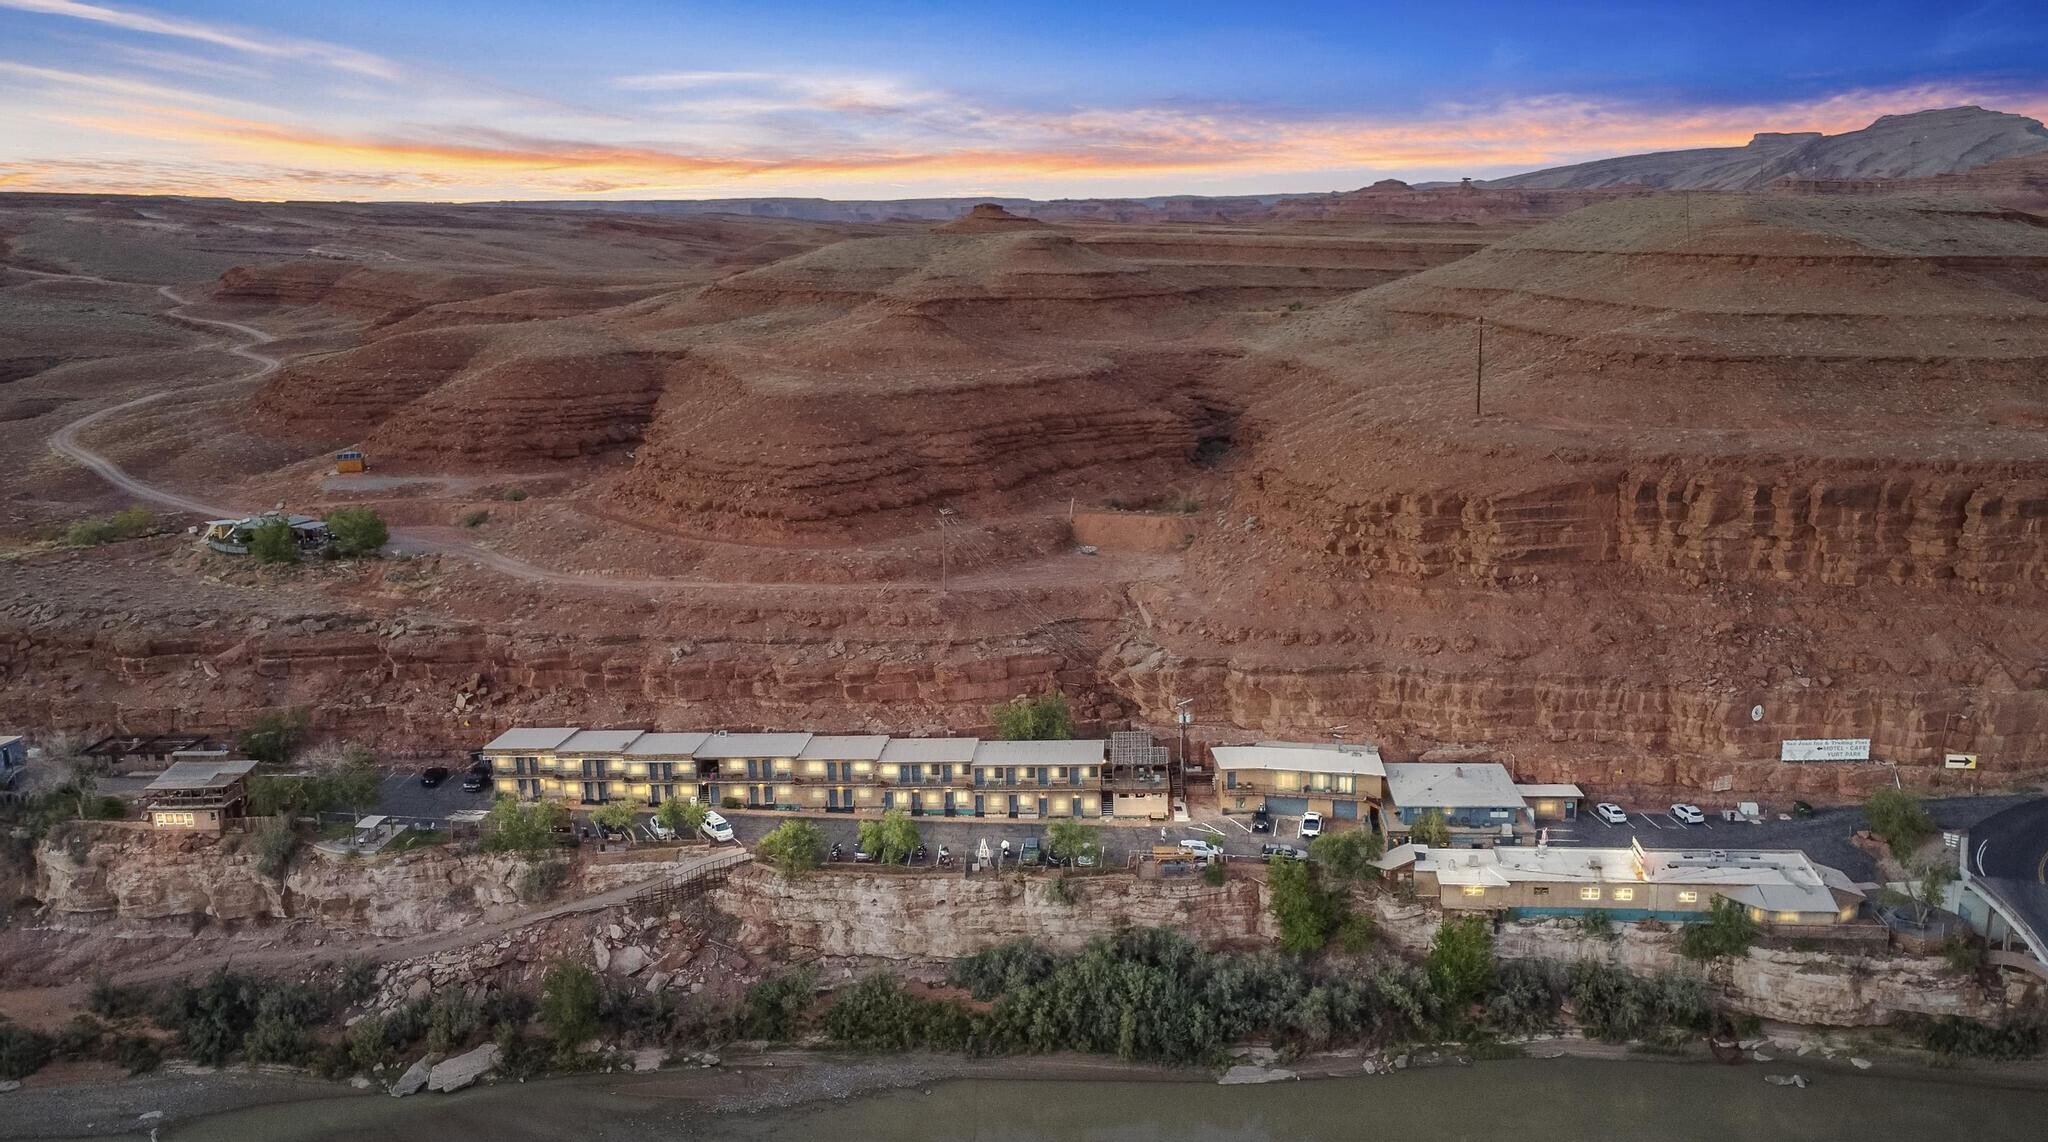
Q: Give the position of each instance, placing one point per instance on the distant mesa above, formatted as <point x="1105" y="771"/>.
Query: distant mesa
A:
<point x="989" y="218"/>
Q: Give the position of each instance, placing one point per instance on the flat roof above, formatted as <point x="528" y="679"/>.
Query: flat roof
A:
<point x="1537" y="789"/>
<point x="198" y="775"/>
<point x="1449" y="785"/>
<point x="846" y="747"/>
<point x="1086" y="751"/>
<point x="666" y="745"/>
<point x="1361" y="760"/>
<point x="919" y="750"/>
<point x="542" y="739"/>
<point x="600" y="741"/>
<point x="723" y="744"/>
<point x="1777" y="880"/>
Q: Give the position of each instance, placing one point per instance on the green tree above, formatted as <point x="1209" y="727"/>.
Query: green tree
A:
<point x="616" y="815"/>
<point x="792" y="846"/>
<point x="1431" y="829"/>
<point x="1347" y="855"/>
<point x="526" y="829"/>
<point x="681" y="817"/>
<point x="1727" y="931"/>
<point x="891" y="838"/>
<point x="1034" y="719"/>
<point x="569" y="1003"/>
<point x="1927" y="883"/>
<point x="1899" y="819"/>
<point x="274" y="737"/>
<point x="1460" y="963"/>
<point x="1308" y="913"/>
<point x="355" y="783"/>
<point x="274" y="542"/>
<point x="357" y="531"/>
<point x="1068" y="838"/>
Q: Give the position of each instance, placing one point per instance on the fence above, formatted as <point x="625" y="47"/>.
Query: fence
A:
<point x="686" y="886"/>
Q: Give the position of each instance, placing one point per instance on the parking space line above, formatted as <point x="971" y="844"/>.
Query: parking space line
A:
<point x="1675" y="821"/>
<point x="1653" y="823"/>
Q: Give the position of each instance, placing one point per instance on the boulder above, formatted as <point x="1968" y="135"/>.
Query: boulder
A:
<point x="464" y="1069"/>
<point x="414" y="1077"/>
<point x="648" y="1058"/>
<point x="629" y="960"/>
<point x="600" y="953"/>
<point x="1244" y="1075"/>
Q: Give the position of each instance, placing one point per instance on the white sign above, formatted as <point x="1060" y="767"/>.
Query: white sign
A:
<point x="1825" y="749"/>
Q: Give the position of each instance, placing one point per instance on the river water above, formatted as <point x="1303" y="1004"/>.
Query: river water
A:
<point x="1550" y="1099"/>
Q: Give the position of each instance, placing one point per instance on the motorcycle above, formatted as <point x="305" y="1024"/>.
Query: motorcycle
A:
<point x="945" y="857"/>
<point x="918" y="856"/>
<point x="838" y="854"/>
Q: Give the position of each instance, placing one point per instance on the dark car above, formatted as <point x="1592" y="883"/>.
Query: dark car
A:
<point x="1802" y="810"/>
<point x="434" y="776"/>
<point x="473" y="781"/>
<point x="1262" y="820"/>
<point x="1030" y="853"/>
<point x="1289" y="851"/>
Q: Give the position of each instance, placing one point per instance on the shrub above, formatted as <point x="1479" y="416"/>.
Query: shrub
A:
<point x="129" y="524"/>
<point x="274" y="542"/>
<point x="526" y="829"/>
<point x="540" y="880"/>
<point x="1307" y="912"/>
<point x="1034" y="719"/>
<point x="1348" y="855"/>
<point x="78" y="1039"/>
<point x="228" y="1012"/>
<point x="792" y="846"/>
<point x="1356" y="933"/>
<point x="22" y="1051"/>
<point x="1595" y="922"/>
<point x="774" y="1007"/>
<point x="1616" y="1006"/>
<point x="357" y="531"/>
<point x="1525" y="996"/>
<point x="876" y="1014"/>
<point x="514" y="495"/>
<point x="891" y="838"/>
<point x="1059" y="891"/>
<point x="1067" y="839"/>
<point x="476" y="518"/>
<point x="273" y="737"/>
<point x="1431" y="829"/>
<point x="1460" y="962"/>
<point x="1727" y="931"/>
<point x="1004" y="967"/>
<point x="112" y="1001"/>
<point x="569" y="1005"/>
<point x="1899" y="819"/>
<point x="1214" y="875"/>
<point x="275" y="842"/>
<point x="732" y="802"/>
<point x="136" y="1054"/>
<point x="452" y="1018"/>
<point x="2015" y="1037"/>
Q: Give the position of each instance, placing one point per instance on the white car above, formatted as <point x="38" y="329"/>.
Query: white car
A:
<point x="1688" y="814"/>
<point x="716" y="828"/>
<point x="660" y="831"/>
<point x="1204" y="849"/>
<point x="1311" y="826"/>
<point x="1610" y="813"/>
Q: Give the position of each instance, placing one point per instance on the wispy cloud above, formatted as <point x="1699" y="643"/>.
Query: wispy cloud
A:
<point x="253" y="43"/>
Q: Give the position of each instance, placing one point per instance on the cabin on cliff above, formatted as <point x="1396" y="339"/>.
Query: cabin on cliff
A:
<point x="199" y="796"/>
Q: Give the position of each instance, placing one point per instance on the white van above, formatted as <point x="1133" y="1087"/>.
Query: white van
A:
<point x="716" y="828"/>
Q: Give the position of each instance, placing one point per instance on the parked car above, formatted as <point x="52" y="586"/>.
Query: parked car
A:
<point x="475" y="782"/>
<point x="1030" y="853"/>
<point x="434" y="776"/>
<point x="716" y="828"/>
<point x="1262" y="820"/>
<point x="1802" y="810"/>
<point x="1289" y="851"/>
<point x="1688" y="814"/>
<point x="660" y="831"/>
<point x="1201" y="848"/>
<point x="1611" y="813"/>
<point x="1311" y="826"/>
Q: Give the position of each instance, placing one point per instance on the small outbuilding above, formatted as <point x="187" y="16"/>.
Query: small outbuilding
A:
<point x="201" y="796"/>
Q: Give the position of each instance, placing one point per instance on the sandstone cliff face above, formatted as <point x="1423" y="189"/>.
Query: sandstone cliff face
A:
<point x="128" y="878"/>
<point x="924" y="918"/>
<point x="1814" y="989"/>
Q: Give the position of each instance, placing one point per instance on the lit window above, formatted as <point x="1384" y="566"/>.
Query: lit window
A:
<point x="1624" y="894"/>
<point x="1589" y="893"/>
<point x="1688" y="896"/>
<point x="1787" y="917"/>
<point x="1475" y="890"/>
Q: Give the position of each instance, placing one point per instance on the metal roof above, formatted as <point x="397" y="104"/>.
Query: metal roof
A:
<point x="846" y="747"/>
<point x="1088" y="751"/>
<point x="723" y="744"/>
<point x="666" y="745"/>
<point x="1304" y="757"/>
<point x="199" y="775"/>
<point x="1541" y="790"/>
<point x="1775" y="880"/>
<point x="600" y="741"/>
<point x="924" y="750"/>
<point x="1448" y="785"/>
<point x="531" y="738"/>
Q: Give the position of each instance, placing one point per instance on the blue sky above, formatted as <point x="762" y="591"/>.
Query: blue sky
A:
<point x="370" y="99"/>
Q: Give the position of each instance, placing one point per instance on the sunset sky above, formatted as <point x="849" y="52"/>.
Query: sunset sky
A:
<point x="368" y="99"/>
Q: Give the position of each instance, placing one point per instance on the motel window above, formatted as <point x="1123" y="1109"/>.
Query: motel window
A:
<point x="1786" y="917"/>
<point x="1688" y="896"/>
<point x="1592" y="892"/>
<point x="1541" y="890"/>
<point x="1624" y="894"/>
<point x="1475" y="890"/>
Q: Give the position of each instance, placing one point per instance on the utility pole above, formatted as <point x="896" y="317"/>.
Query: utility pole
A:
<point x="1479" y="372"/>
<point x="1183" y="713"/>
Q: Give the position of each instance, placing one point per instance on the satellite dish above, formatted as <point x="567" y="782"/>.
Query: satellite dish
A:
<point x="1756" y="713"/>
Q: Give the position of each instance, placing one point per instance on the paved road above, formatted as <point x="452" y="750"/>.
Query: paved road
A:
<point x="404" y="796"/>
<point x="1824" y="836"/>
<point x="2008" y="856"/>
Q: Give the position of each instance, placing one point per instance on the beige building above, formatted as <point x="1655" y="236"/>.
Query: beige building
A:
<point x="1776" y="887"/>
<point x="851" y="773"/>
<point x="1342" y="782"/>
<point x="201" y="796"/>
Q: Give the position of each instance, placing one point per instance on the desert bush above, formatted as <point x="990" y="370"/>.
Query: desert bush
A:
<point x="1347" y="856"/>
<point x="514" y="495"/>
<point x="357" y="531"/>
<point x="1595" y="922"/>
<point x="569" y="1000"/>
<point x="228" y="1012"/>
<point x="273" y="737"/>
<point x="128" y="524"/>
<point x="1616" y="1006"/>
<point x="274" y="543"/>
<point x="1899" y="819"/>
<point x="275" y="843"/>
<point x="1059" y="891"/>
<point x="731" y="802"/>
<point x="1460" y="962"/>
<point x="542" y="879"/>
<point x="1215" y="875"/>
<point x="476" y="518"/>
<point x="774" y="1007"/>
<point x="632" y="1016"/>
<point x="2015" y="1037"/>
<point x="78" y="1039"/>
<point x="1525" y="996"/>
<point x="1727" y="931"/>
<point x="992" y="971"/>
<point x="1048" y="718"/>
<point x="112" y="1001"/>
<point x="876" y="1014"/>
<point x="22" y="1051"/>
<point x="452" y="1019"/>
<point x="527" y="829"/>
<point x="136" y="1054"/>
<point x="1356" y="932"/>
<point x="1308" y="912"/>
<point x="792" y="846"/>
